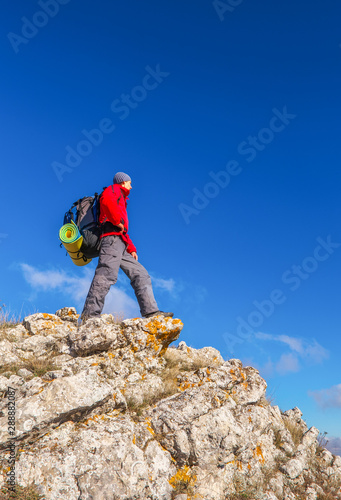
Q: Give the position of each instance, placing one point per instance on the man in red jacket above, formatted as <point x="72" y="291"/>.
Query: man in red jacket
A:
<point x="118" y="251"/>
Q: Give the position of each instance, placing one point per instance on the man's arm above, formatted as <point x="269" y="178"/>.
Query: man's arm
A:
<point x="110" y="208"/>
<point x="131" y="248"/>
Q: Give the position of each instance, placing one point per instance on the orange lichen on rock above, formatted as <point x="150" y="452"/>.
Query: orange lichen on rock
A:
<point x="183" y="477"/>
<point x="160" y="335"/>
<point x="186" y="385"/>
<point x="153" y="342"/>
<point x="177" y="321"/>
<point x="258" y="454"/>
<point x="154" y="326"/>
<point x="217" y="399"/>
<point x="149" y="427"/>
<point x="94" y="418"/>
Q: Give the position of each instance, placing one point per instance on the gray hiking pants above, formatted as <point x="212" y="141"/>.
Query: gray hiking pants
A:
<point x="113" y="255"/>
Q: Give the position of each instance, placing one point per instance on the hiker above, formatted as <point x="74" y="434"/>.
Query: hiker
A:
<point x="118" y="251"/>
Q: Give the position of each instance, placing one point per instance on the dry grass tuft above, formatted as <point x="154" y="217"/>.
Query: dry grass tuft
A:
<point x="322" y="442"/>
<point x="263" y="401"/>
<point x="278" y="441"/>
<point x="38" y="366"/>
<point x="7" y="320"/>
<point x="244" y="491"/>
<point x="170" y="384"/>
<point x="117" y="318"/>
<point x="21" y="493"/>
<point x="295" y="430"/>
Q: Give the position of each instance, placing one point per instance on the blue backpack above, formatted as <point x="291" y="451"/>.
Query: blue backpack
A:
<point x="85" y="214"/>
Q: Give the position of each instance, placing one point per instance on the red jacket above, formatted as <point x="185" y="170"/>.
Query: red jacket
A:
<point x="113" y="211"/>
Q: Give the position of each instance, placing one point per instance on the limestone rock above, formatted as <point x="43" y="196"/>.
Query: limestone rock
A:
<point x="294" y="467"/>
<point x="57" y="402"/>
<point x="47" y="324"/>
<point x="68" y="314"/>
<point x="194" y="358"/>
<point x="118" y="413"/>
<point x="96" y="335"/>
<point x="24" y="373"/>
<point x="7" y="354"/>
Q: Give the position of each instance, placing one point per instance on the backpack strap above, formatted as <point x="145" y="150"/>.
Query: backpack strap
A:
<point x="68" y="217"/>
<point x="119" y="198"/>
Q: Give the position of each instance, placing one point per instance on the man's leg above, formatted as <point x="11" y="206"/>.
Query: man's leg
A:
<point x="141" y="283"/>
<point x="112" y="248"/>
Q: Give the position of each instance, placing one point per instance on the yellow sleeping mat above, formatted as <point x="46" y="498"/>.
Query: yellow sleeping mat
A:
<point x="72" y="240"/>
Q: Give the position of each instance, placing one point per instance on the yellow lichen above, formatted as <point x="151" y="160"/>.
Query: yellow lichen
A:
<point x="149" y="427"/>
<point x="183" y="480"/>
<point x="186" y="385"/>
<point x="258" y="454"/>
<point x="177" y="322"/>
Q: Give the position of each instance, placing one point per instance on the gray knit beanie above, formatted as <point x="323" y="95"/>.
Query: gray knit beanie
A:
<point x="121" y="177"/>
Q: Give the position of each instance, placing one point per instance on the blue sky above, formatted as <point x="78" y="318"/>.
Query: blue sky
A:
<point x="226" y="116"/>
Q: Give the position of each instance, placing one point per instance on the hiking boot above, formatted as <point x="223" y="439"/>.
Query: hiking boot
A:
<point x="160" y="313"/>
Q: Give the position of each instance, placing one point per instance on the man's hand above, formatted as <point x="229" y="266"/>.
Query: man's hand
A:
<point x="134" y="254"/>
<point x="121" y="226"/>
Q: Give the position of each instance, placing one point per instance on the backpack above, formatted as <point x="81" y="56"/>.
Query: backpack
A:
<point x="85" y="214"/>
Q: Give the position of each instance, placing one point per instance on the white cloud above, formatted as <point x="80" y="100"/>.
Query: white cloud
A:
<point x="334" y="445"/>
<point x="288" y="363"/>
<point x="300" y="349"/>
<point x="315" y="353"/>
<point x="294" y="343"/>
<point x="189" y="293"/>
<point x="328" y="398"/>
<point x="264" y="336"/>
<point x="167" y="285"/>
<point x="46" y="280"/>
<point x="77" y="287"/>
<point x="266" y="370"/>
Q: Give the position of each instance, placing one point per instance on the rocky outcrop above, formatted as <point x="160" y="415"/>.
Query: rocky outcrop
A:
<point x="110" y="411"/>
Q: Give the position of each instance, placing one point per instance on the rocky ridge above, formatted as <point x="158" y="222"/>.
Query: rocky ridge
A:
<point x="109" y="411"/>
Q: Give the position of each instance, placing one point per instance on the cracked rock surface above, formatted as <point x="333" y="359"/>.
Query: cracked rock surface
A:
<point x="110" y="411"/>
